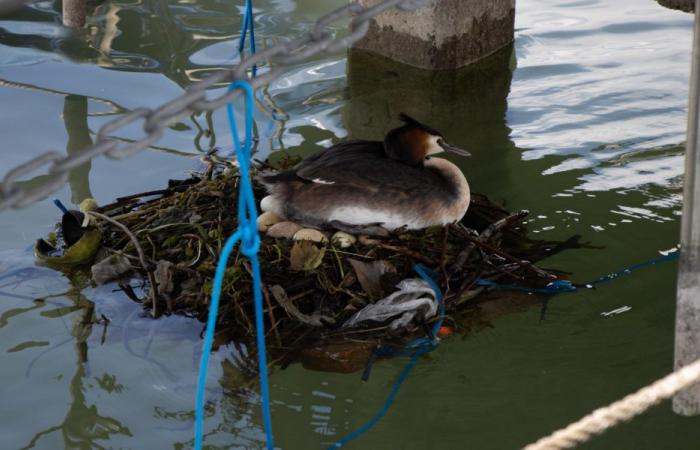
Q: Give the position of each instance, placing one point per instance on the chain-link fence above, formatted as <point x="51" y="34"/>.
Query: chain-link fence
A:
<point x="155" y="121"/>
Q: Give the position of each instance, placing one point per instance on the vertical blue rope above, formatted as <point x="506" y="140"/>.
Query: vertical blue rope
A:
<point x="247" y="234"/>
<point x="248" y="26"/>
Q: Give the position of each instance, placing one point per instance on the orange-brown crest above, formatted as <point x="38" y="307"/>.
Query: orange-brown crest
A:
<point x="412" y="142"/>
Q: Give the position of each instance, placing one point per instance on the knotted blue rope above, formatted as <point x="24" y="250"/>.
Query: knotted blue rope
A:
<point x="247" y="235"/>
<point x="418" y="348"/>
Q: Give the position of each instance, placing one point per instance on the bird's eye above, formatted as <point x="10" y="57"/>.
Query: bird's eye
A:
<point x="440" y="141"/>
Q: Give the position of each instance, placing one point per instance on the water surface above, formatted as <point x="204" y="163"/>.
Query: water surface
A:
<point x="581" y="122"/>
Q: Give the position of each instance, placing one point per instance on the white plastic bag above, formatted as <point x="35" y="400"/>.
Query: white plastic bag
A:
<point x="414" y="299"/>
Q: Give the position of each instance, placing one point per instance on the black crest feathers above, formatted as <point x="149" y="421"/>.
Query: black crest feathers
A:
<point x="411" y="122"/>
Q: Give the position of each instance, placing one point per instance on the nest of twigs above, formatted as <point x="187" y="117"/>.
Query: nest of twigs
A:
<point x="171" y="239"/>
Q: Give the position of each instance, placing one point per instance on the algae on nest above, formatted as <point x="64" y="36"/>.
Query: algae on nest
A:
<point x="309" y="289"/>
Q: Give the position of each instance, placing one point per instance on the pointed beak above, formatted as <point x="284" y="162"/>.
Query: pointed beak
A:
<point x="456" y="150"/>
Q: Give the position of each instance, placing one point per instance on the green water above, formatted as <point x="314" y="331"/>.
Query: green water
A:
<point x="582" y="123"/>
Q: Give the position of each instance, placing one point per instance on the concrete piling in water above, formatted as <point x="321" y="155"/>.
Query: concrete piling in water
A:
<point x="683" y="5"/>
<point x="446" y="34"/>
<point x="467" y="105"/>
<point x="74" y="12"/>
<point x="448" y="64"/>
<point x="687" y="343"/>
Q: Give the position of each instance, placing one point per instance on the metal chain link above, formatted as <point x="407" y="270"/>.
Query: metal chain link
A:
<point x="154" y="122"/>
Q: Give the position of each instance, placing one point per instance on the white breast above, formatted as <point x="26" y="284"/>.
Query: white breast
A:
<point x="362" y="215"/>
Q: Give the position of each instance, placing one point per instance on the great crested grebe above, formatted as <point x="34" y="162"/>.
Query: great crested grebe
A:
<point x="395" y="183"/>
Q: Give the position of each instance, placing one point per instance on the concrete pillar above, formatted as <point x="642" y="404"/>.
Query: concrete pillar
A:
<point x="687" y="344"/>
<point x="467" y="105"/>
<point x="683" y="5"/>
<point x="74" y="13"/>
<point x="447" y="34"/>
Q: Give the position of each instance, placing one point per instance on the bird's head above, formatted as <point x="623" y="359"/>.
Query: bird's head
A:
<point x="414" y="142"/>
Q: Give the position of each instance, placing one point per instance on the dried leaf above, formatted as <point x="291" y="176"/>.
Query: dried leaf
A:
<point x="369" y="275"/>
<point x="164" y="276"/>
<point x="306" y="256"/>
<point x="315" y="320"/>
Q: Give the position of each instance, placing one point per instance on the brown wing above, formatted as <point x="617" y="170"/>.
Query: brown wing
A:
<point x="364" y="164"/>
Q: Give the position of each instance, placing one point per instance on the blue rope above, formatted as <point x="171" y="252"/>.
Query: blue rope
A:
<point x="555" y="287"/>
<point x="423" y="345"/>
<point x="248" y="25"/>
<point x="632" y="268"/>
<point x="247" y="234"/>
<point x="419" y="347"/>
<point x="566" y="286"/>
<point x="387" y="403"/>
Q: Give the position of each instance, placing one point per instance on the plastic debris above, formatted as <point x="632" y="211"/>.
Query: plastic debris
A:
<point x="111" y="268"/>
<point x="414" y="299"/>
<point x="72" y="245"/>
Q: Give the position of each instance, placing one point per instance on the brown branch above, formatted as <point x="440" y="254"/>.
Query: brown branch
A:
<point x="266" y="295"/>
<point x="525" y="264"/>
<point x="407" y="252"/>
<point x="142" y="258"/>
<point x="443" y="257"/>
<point x="496" y="226"/>
<point x="273" y="321"/>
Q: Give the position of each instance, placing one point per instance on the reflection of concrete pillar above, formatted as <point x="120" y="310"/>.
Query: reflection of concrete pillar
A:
<point x="75" y="111"/>
<point x="447" y="34"/>
<point x="468" y="105"/>
<point x="111" y="31"/>
<point x="74" y="13"/>
<point x="9" y="6"/>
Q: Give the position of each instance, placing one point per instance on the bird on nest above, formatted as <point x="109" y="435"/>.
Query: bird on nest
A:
<point x="366" y="187"/>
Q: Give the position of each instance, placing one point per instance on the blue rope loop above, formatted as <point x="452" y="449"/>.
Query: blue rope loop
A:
<point x="247" y="211"/>
<point x="247" y="235"/>
<point x="416" y="349"/>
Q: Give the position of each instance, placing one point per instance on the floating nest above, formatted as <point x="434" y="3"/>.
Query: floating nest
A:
<point x="162" y="249"/>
